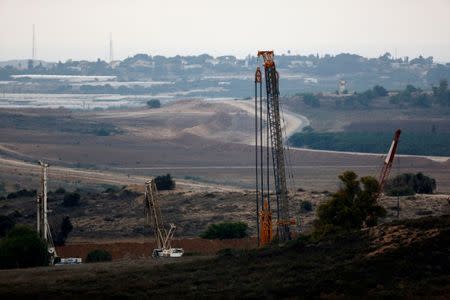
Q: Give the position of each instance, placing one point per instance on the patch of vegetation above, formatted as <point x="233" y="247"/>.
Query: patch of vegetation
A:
<point x="164" y="182"/>
<point x="362" y="99"/>
<point x="71" y="199"/>
<point x="350" y="207"/>
<point x="416" y="97"/>
<point x="65" y="228"/>
<point x="225" y="230"/>
<point x="374" y="142"/>
<point x="98" y="255"/>
<point x="409" y="184"/>
<point x="6" y="224"/>
<point x="103" y="132"/>
<point x="22" y="248"/>
<point x="311" y="100"/>
<point x="154" y="103"/>
<point x="60" y="191"/>
<point x="110" y="189"/>
<point x="22" y="193"/>
<point x="306" y="206"/>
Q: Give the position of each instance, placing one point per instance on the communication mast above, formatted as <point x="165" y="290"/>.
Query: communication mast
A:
<point x="33" y="47"/>
<point x="111" y="57"/>
<point x="274" y="142"/>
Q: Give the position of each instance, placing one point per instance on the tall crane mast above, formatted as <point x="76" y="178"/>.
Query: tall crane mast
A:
<point x="154" y="219"/>
<point x="43" y="227"/>
<point x="274" y="134"/>
<point x="388" y="161"/>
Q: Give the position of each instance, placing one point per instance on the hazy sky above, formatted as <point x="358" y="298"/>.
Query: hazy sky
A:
<point x="80" y="29"/>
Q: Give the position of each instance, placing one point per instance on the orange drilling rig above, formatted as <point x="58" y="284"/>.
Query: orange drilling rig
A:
<point x="272" y="146"/>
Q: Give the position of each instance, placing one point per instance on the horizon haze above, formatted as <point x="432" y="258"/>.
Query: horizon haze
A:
<point x="81" y="30"/>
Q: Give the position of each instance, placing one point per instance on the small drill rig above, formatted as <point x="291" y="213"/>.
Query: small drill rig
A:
<point x="154" y="219"/>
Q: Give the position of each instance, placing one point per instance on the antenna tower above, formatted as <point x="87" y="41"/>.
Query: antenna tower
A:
<point x="111" y="57"/>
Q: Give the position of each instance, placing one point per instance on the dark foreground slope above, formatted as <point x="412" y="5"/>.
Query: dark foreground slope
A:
<point x="407" y="259"/>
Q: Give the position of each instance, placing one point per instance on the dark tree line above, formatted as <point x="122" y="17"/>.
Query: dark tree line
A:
<point x="409" y="184"/>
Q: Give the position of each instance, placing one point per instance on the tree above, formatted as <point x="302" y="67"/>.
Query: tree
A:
<point x="65" y="229"/>
<point x="22" y="248"/>
<point x="98" y="255"/>
<point x="60" y="190"/>
<point x="442" y="93"/>
<point x="164" y="182"/>
<point x="409" y="184"/>
<point x="306" y="206"/>
<point x="350" y="207"/>
<point x="311" y="100"/>
<point x="6" y="224"/>
<point x="154" y="103"/>
<point x="71" y="199"/>
<point x="380" y="91"/>
<point x="225" y="230"/>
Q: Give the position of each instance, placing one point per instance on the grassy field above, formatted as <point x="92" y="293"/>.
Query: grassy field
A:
<point x="437" y="144"/>
<point x="406" y="259"/>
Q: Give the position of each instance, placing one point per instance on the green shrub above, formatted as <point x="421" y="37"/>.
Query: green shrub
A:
<point x="311" y="100"/>
<point x="65" y="229"/>
<point x="103" y="132"/>
<point x="350" y="207"/>
<point x="408" y="184"/>
<point x="225" y="230"/>
<point x="164" y="182"/>
<point x="305" y="206"/>
<point x="60" y="190"/>
<point x="6" y="224"/>
<point x="22" y="193"/>
<point x="98" y="255"/>
<point x="71" y="199"/>
<point x="399" y="191"/>
<point x="22" y="248"/>
<point x="154" y="103"/>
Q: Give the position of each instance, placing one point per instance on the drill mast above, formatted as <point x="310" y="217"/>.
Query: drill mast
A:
<point x="275" y="143"/>
<point x="154" y="219"/>
<point x="43" y="227"/>
<point x="389" y="160"/>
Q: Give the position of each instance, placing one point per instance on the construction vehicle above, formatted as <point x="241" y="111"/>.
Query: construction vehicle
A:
<point x="43" y="227"/>
<point x="274" y="142"/>
<point x="388" y="161"/>
<point x="154" y="219"/>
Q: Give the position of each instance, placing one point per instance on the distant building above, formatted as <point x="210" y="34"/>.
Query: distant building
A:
<point x="342" y="87"/>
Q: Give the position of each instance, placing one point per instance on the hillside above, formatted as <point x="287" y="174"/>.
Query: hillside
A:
<point x="404" y="259"/>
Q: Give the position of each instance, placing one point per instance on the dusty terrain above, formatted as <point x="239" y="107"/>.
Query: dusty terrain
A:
<point x="205" y="145"/>
<point x="118" y="215"/>
<point x="205" y="141"/>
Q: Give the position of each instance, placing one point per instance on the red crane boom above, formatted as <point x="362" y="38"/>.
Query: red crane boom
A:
<point x="388" y="161"/>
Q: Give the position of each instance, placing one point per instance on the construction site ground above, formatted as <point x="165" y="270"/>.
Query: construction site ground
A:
<point x="207" y="146"/>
